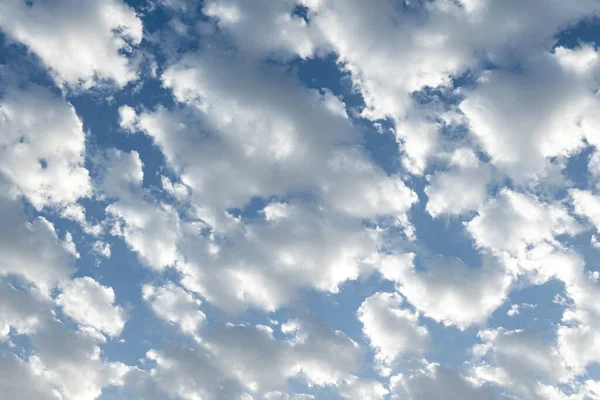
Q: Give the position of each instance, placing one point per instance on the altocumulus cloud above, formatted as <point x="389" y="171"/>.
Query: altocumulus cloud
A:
<point x="299" y="199"/>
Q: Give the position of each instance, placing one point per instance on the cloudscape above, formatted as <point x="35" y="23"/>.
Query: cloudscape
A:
<point x="299" y="199"/>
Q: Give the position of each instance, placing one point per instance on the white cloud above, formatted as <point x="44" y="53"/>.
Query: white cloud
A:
<point x="72" y="361"/>
<point x="321" y="355"/>
<point x="19" y="379"/>
<point x="260" y="263"/>
<point x="279" y="32"/>
<point x="175" y="305"/>
<point x="587" y="205"/>
<point x="433" y="381"/>
<point x="46" y="267"/>
<point x="253" y="130"/>
<point x="264" y="140"/>
<point x="594" y="167"/>
<point x="393" y="331"/>
<point x="371" y="49"/>
<point x="361" y="189"/>
<point x="151" y="229"/>
<point x="190" y="375"/>
<point x="62" y="363"/>
<point x="92" y="304"/>
<point x="450" y="291"/>
<point x="523" y="119"/>
<point x="519" y="361"/>
<point x="460" y="189"/>
<point x="226" y="364"/>
<point x="265" y="263"/>
<point x="433" y="42"/>
<point x="42" y="147"/>
<point x="19" y="311"/>
<point x="269" y="194"/>
<point x="127" y="118"/>
<point x="513" y="221"/>
<point x="364" y="389"/>
<point x="578" y="339"/>
<point x="80" y="44"/>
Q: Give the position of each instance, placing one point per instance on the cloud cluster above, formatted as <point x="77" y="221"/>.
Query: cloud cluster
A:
<point x="195" y="202"/>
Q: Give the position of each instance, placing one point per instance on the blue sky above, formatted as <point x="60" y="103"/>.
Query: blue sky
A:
<point x="294" y="200"/>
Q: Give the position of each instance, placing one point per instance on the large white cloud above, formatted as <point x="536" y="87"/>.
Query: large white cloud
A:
<point x="519" y="361"/>
<point x="268" y="194"/>
<point x="265" y="263"/>
<point x="19" y="379"/>
<point x="255" y="132"/>
<point x="231" y="361"/>
<point x="149" y="228"/>
<point x="433" y="381"/>
<point x="514" y="222"/>
<point x="42" y="147"/>
<point x="262" y="263"/>
<point x="523" y="119"/>
<point x="175" y="305"/>
<point x="92" y="304"/>
<point x="449" y="291"/>
<point x="50" y="264"/>
<point x="280" y="32"/>
<point x="460" y="189"/>
<point x="366" y="389"/>
<point x="392" y="330"/>
<point x="431" y="41"/>
<point x="61" y="363"/>
<point x="82" y="43"/>
<point x="265" y="141"/>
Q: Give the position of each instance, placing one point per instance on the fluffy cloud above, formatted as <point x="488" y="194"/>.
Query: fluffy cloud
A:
<point x="280" y="32"/>
<point x="62" y="363"/>
<point x="151" y="229"/>
<point x="433" y="381"/>
<point x="42" y="147"/>
<point x="512" y="222"/>
<point x="92" y="304"/>
<point x="366" y="389"/>
<point x="80" y="44"/>
<point x="433" y="42"/>
<point x="271" y="197"/>
<point x="175" y="305"/>
<point x="20" y="311"/>
<point x="46" y="267"/>
<point x="264" y="264"/>
<point x="545" y="109"/>
<point x="392" y="330"/>
<point x="519" y="361"/>
<point x="294" y="149"/>
<point x="230" y="355"/>
<point x="189" y="375"/>
<point x="255" y="132"/>
<point x="587" y="205"/>
<point x="581" y="319"/>
<point x="450" y="291"/>
<point x="460" y="189"/>
<point x="19" y="379"/>
<point x="127" y="118"/>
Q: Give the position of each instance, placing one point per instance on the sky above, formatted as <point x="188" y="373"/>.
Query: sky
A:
<point x="299" y="199"/>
